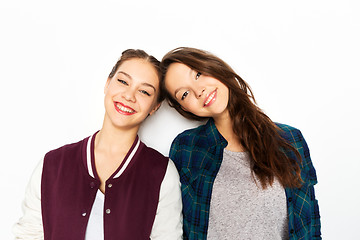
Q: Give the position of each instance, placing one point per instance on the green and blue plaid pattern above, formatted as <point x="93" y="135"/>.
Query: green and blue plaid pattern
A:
<point x="197" y="154"/>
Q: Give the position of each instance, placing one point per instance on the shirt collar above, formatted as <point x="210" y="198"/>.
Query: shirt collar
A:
<point x="213" y="134"/>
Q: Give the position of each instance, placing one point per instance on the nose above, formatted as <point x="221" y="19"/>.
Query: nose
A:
<point x="129" y="95"/>
<point x="199" y="92"/>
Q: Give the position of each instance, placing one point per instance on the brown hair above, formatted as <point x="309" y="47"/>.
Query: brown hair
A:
<point x="141" y="54"/>
<point x="255" y="130"/>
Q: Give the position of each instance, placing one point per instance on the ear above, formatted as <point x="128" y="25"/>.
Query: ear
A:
<point x="107" y="85"/>
<point x="155" y="108"/>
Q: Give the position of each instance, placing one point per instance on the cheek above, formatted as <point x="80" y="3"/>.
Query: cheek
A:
<point x="190" y="106"/>
<point x="226" y="94"/>
<point x="108" y="95"/>
<point x="109" y="89"/>
<point x="147" y="103"/>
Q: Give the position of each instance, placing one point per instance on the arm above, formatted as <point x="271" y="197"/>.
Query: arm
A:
<point x="175" y="155"/>
<point x="307" y="217"/>
<point x="315" y="215"/>
<point x="29" y="225"/>
<point x="168" y="219"/>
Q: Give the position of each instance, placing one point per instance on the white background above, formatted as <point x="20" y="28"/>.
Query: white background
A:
<point x="301" y="58"/>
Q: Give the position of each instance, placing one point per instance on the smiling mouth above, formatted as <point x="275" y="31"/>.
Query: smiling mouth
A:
<point x="121" y="108"/>
<point x="211" y="98"/>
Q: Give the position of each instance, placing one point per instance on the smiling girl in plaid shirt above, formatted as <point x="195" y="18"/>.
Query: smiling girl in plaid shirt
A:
<point x="243" y="176"/>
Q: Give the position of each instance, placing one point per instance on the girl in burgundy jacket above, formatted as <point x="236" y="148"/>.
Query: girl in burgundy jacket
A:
<point x="109" y="185"/>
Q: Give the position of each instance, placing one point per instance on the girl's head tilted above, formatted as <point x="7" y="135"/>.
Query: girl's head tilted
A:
<point x="132" y="90"/>
<point x="198" y="84"/>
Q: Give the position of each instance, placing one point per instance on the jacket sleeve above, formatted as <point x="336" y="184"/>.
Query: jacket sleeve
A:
<point x="29" y="225"/>
<point x="168" y="219"/>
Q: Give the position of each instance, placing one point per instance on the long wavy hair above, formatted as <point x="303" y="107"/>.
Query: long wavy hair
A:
<point x="254" y="129"/>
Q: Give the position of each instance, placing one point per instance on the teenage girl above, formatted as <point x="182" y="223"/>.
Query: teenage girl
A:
<point x="242" y="175"/>
<point x="109" y="185"/>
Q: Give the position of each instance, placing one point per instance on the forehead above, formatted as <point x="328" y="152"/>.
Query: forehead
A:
<point x="177" y="68"/>
<point x="177" y="74"/>
<point x="140" y="71"/>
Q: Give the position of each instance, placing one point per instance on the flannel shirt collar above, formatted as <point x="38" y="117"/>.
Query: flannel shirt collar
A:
<point x="213" y="135"/>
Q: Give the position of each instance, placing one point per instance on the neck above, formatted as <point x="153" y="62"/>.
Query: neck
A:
<point x="225" y="127"/>
<point x="114" y="140"/>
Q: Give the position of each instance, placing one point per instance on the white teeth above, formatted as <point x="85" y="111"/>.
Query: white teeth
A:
<point x="124" y="109"/>
<point x="210" y="98"/>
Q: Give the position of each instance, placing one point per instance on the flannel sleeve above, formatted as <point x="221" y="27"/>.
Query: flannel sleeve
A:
<point x="315" y="214"/>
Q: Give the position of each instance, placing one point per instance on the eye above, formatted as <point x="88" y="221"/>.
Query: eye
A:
<point x="145" y="92"/>
<point x="123" y="82"/>
<point x="184" y="95"/>
<point x="197" y="75"/>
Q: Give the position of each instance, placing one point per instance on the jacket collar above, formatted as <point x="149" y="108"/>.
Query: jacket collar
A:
<point x="90" y="157"/>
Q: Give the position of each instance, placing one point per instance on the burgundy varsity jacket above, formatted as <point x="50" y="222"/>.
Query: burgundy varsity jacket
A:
<point x="68" y="193"/>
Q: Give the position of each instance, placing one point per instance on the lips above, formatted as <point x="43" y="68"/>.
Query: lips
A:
<point x="123" y="109"/>
<point x="210" y="98"/>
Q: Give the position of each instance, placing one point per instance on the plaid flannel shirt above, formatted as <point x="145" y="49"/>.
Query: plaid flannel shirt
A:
<point x="197" y="154"/>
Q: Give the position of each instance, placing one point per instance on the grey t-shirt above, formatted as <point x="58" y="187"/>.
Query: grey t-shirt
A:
<point x="240" y="208"/>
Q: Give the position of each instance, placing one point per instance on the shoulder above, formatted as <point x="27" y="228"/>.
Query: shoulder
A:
<point x="190" y="146"/>
<point x="290" y="134"/>
<point x="296" y="139"/>
<point x="69" y="149"/>
<point x="286" y="129"/>
<point x="66" y="158"/>
<point x="153" y="153"/>
<point x="152" y="158"/>
<point x="150" y="163"/>
<point x="189" y="137"/>
<point x="293" y="136"/>
<point x="66" y="148"/>
<point x="197" y="132"/>
<point x="187" y="141"/>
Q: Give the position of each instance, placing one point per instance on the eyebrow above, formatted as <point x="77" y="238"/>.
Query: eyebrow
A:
<point x="178" y="89"/>
<point x="125" y="74"/>
<point x="143" y="83"/>
<point x="149" y="85"/>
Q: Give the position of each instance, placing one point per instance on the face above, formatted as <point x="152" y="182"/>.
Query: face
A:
<point x="201" y="95"/>
<point x="131" y="95"/>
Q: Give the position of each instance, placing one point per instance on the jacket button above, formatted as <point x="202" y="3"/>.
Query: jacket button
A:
<point x="109" y="185"/>
<point x="292" y="231"/>
<point x="290" y="199"/>
<point x="92" y="185"/>
<point x="108" y="211"/>
<point x="83" y="214"/>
